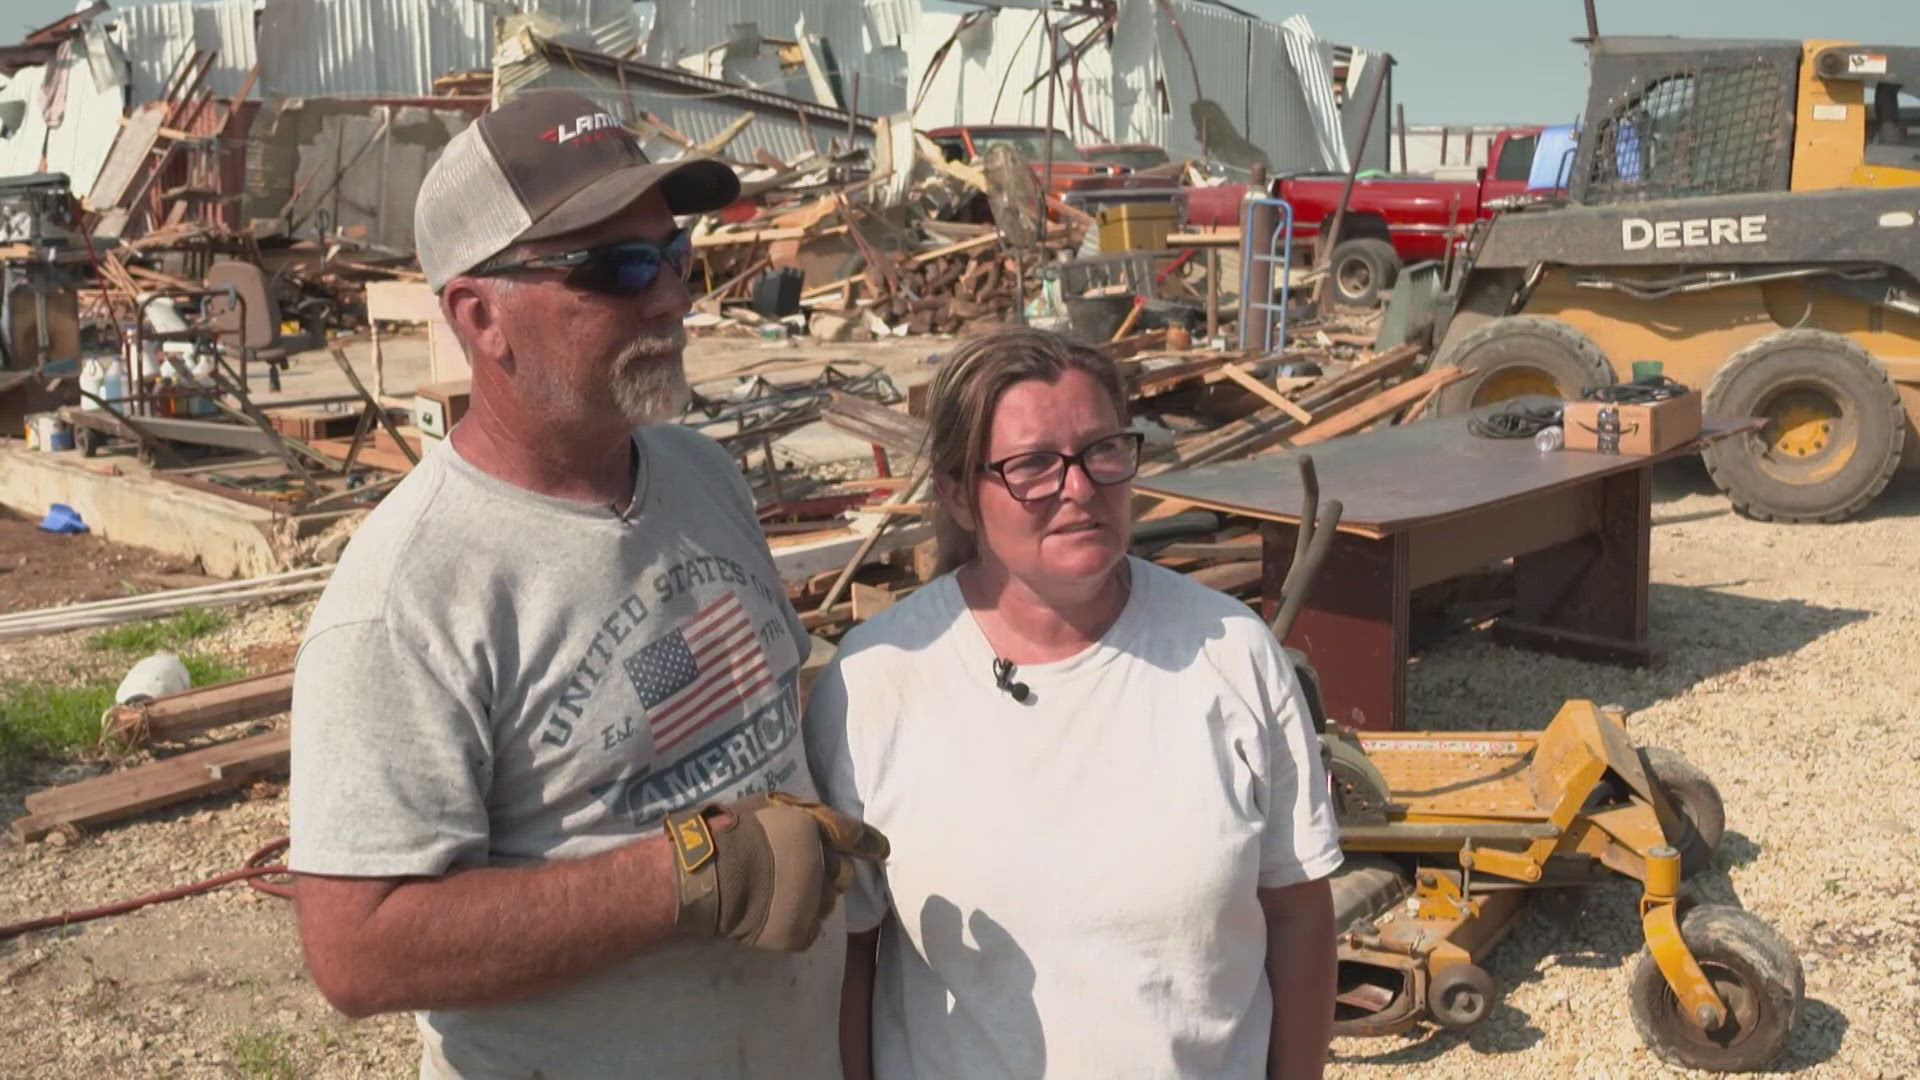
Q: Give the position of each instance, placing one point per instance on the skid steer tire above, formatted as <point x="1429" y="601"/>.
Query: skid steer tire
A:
<point x="1361" y="270"/>
<point x="1523" y="354"/>
<point x="1833" y="433"/>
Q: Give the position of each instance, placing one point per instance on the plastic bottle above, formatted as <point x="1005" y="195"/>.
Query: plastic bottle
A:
<point x="113" y="382"/>
<point x="1549" y="439"/>
<point x="93" y="379"/>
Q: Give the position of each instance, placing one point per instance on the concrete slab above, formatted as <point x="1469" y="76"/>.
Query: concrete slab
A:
<point x="230" y="539"/>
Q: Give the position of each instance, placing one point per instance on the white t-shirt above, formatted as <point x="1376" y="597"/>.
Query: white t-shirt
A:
<point x="1072" y="890"/>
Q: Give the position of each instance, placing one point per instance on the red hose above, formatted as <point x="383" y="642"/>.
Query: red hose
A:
<point x="256" y="868"/>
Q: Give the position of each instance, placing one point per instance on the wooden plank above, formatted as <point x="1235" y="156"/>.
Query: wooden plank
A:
<point x="1233" y="577"/>
<point x="873" y="423"/>
<point x="1383" y="404"/>
<point x="130" y="150"/>
<point x="375" y="452"/>
<point x="123" y="794"/>
<point x="1246" y="547"/>
<point x="402" y="301"/>
<point x="975" y="244"/>
<point x="868" y="601"/>
<point x="203" y="708"/>
<point x="1266" y="393"/>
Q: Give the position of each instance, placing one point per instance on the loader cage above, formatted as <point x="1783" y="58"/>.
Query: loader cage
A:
<point x="1666" y="121"/>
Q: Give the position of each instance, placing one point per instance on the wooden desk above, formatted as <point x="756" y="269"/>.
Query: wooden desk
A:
<point x="1428" y="501"/>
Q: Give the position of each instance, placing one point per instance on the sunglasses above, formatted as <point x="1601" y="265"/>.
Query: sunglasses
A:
<point x="622" y="268"/>
<point x="1040" y="474"/>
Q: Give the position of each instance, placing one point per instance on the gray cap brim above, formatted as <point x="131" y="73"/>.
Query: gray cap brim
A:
<point x="691" y="186"/>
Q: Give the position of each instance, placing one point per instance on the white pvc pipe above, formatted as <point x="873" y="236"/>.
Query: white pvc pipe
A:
<point x="167" y="595"/>
<point x="109" y="618"/>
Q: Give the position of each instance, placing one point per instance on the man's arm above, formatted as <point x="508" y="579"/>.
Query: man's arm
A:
<point x="856" y="1006"/>
<point x="482" y="936"/>
<point x="1301" y="970"/>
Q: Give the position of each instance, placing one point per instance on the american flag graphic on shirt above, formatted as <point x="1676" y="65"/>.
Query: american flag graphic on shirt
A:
<point x="712" y="664"/>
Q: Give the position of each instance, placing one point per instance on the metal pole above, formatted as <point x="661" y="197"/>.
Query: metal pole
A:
<point x="1593" y="22"/>
<point x="1323" y="246"/>
<point x="1256" y="239"/>
<point x="1404" y="167"/>
<point x="1046" y="152"/>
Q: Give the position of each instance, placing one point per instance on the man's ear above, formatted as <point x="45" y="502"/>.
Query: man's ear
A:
<point x="472" y="310"/>
<point x="957" y="502"/>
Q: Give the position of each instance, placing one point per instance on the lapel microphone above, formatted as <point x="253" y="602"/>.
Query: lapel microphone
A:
<point x="1003" y="678"/>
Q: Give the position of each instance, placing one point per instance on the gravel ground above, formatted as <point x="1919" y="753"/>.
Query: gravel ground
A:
<point x="1786" y="665"/>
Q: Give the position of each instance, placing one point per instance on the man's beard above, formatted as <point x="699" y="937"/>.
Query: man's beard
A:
<point x="648" y="378"/>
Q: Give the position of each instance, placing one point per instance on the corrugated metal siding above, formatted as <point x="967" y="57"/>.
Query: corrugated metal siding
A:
<point x="353" y="48"/>
<point x="1312" y="61"/>
<point x="1219" y="41"/>
<point x="79" y="146"/>
<point x="986" y="78"/>
<point x="698" y="116"/>
<point x="1283" y="125"/>
<point x="1135" y="59"/>
<point x="156" y="36"/>
<point x="396" y="48"/>
<point x="860" y="40"/>
<point x="1242" y="65"/>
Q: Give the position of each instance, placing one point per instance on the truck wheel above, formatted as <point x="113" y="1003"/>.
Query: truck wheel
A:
<point x="1833" y="427"/>
<point x="1361" y="270"/>
<point x="1757" y="976"/>
<point x="1523" y="354"/>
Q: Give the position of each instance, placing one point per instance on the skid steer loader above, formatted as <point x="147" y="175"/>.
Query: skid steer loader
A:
<point x="1747" y="214"/>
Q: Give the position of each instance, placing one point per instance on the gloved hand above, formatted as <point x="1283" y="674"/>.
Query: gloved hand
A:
<point x="765" y="870"/>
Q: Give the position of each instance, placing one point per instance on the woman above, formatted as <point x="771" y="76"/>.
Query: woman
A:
<point x="1110" y="825"/>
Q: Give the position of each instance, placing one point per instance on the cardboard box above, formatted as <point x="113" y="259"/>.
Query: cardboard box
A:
<point x="439" y="406"/>
<point x="1632" y="429"/>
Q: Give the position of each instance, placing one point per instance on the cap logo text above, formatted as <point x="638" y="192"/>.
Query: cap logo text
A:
<point x="584" y="127"/>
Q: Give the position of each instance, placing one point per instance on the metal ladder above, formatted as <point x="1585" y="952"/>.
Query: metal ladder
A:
<point x="1276" y="250"/>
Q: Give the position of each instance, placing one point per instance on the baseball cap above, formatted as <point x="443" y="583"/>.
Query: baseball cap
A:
<point x="544" y="164"/>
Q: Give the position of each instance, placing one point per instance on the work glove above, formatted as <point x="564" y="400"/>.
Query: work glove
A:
<point x="765" y="870"/>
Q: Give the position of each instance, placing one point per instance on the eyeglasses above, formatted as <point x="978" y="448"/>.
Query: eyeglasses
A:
<point x="1040" y="474"/>
<point x="623" y="268"/>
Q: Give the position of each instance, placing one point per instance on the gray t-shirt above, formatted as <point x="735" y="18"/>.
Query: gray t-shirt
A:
<point x="498" y="678"/>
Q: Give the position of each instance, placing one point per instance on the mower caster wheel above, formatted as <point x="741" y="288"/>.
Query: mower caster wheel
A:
<point x="1703" y="818"/>
<point x="1460" y="996"/>
<point x="1757" y="976"/>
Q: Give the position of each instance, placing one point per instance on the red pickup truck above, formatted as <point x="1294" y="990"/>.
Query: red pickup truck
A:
<point x="1390" y="221"/>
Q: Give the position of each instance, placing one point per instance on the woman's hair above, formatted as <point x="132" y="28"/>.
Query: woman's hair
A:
<point x="961" y="401"/>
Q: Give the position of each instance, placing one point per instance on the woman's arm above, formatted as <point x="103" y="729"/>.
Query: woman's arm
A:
<point x="856" y="1006"/>
<point x="1301" y="971"/>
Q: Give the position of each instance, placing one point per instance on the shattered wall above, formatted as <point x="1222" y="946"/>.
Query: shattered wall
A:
<point x="1252" y="91"/>
<point x="694" y="107"/>
<point x="88" y="119"/>
<point x="356" y="165"/>
<point x="156" y="37"/>
<point x="868" y="37"/>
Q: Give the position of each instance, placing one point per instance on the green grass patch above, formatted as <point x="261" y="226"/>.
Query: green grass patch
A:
<point x="40" y="720"/>
<point x="265" y="1054"/>
<point x="158" y="635"/>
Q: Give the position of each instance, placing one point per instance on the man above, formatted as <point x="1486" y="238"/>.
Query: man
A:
<point x="542" y="703"/>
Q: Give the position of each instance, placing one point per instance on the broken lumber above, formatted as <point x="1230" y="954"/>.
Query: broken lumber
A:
<point x="124" y="794"/>
<point x="1266" y="393"/>
<point x="203" y="708"/>
<point x="1385" y="403"/>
